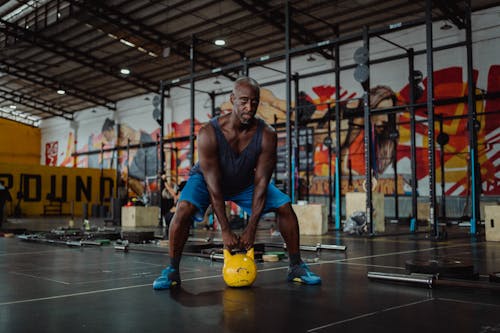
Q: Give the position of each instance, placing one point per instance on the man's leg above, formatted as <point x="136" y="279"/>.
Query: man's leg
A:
<point x="193" y="200"/>
<point x="178" y="233"/>
<point x="289" y="228"/>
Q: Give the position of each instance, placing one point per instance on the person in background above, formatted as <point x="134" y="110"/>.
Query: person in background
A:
<point x="4" y="197"/>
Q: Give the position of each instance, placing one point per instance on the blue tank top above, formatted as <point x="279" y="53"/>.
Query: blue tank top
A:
<point x="237" y="170"/>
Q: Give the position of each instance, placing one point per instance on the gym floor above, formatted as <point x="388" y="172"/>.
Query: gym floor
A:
<point x="52" y="288"/>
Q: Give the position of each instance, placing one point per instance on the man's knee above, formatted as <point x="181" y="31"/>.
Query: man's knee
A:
<point x="285" y="211"/>
<point x="184" y="212"/>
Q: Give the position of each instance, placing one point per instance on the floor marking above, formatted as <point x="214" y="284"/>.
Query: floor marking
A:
<point x="75" y="294"/>
<point x="369" y="314"/>
<point x="100" y="291"/>
<point x="38" y="277"/>
<point x="24" y="253"/>
<point x="466" y="302"/>
<point x="370" y="265"/>
<point x="393" y="253"/>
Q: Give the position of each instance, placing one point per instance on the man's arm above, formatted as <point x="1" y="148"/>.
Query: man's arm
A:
<point x="263" y="172"/>
<point x="209" y="163"/>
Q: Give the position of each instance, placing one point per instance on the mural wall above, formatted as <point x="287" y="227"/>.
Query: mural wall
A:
<point x="134" y="126"/>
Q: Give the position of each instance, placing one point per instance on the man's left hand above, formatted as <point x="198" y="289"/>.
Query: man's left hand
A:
<point x="247" y="238"/>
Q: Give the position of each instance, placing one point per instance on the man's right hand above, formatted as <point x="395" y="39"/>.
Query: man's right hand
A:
<point x="230" y="240"/>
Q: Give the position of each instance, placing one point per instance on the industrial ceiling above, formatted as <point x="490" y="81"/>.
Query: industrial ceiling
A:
<point x="59" y="57"/>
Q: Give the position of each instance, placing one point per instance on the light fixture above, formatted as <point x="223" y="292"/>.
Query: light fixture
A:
<point x="220" y="42"/>
<point x="125" y="71"/>
<point x="12" y="106"/>
<point x="61" y="91"/>
<point x="446" y="26"/>
<point x="310" y="58"/>
<point x="166" y="52"/>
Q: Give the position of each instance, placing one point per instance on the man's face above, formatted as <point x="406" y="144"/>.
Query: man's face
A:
<point x="380" y="121"/>
<point x="245" y="101"/>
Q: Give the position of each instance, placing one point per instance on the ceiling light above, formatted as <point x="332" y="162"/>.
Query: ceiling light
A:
<point x="61" y="91"/>
<point x="220" y="42"/>
<point x="12" y="106"/>
<point x="166" y="52"/>
<point x="446" y="26"/>
<point x="126" y="42"/>
<point x="125" y="71"/>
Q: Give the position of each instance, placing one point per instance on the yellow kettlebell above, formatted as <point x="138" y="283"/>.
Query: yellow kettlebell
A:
<point x="239" y="269"/>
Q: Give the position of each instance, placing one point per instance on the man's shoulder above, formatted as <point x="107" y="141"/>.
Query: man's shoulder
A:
<point x="267" y="128"/>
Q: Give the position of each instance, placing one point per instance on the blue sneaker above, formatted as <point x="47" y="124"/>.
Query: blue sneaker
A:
<point x="169" y="278"/>
<point x="300" y="273"/>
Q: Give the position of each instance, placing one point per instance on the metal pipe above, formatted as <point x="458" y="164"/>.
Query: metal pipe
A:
<point x="288" y="101"/>
<point x="425" y="279"/>
<point x="338" y="156"/>
<point x="330" y="180"/>
<point x="192" y="57"/>
<point x="296" y="149"/>
<point x="475" y="179"/>
<point x="368" y="138"/>
<point x="413" y="143"/>
<point x="430" y="118"/>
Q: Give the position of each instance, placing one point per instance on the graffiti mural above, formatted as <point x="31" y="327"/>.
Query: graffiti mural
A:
<point x="391" y="138"/>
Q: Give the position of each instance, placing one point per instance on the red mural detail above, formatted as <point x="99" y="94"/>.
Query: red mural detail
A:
<point x="51" y="151"/>
<point x="448" y="84"/>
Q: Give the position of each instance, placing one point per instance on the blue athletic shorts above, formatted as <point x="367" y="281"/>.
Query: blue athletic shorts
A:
<point x="196" y="192"/>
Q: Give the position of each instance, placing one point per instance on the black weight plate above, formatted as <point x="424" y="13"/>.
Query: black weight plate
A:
<point x="361" y="73"/>
<point x="445" y="267"/>
<point x="495" y="277"/>
<point x="138" y="236"/>
<point x="361" y="55"/>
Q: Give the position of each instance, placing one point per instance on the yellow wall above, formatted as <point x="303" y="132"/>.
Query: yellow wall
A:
<point x="39" y="180"/>
<point x="19" y="143"/>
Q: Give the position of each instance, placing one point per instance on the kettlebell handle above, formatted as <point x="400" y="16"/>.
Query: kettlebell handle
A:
<point x="227" y="254"/>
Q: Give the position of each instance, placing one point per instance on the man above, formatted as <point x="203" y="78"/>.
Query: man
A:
<point x="237" y="156"/>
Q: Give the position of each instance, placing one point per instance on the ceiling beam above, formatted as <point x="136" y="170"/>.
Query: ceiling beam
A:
<point x="143" y="31"/>
<point x="48" y="82"/>
<point x="77" y="56"/>
<point x="451" y="11"/>
<point x="34" y="103"/>
<point x="276" y="18"/>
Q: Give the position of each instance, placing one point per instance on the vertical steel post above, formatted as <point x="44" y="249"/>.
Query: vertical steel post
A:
<point x="338" y="157"/>
<point x="430" y="118"/>
<point x="296" y="128"/>
<point x="368" y="138"/>
<point x="162" y="148"/>
<point x="330" y="180"/>
<point x="288" y="102"/>
<point x="413" y="142"/>
<point x="192" y="58"/>
<point x="246" y="70"/>
<point x="441" y="161"/>
<point x="475" y="179"/>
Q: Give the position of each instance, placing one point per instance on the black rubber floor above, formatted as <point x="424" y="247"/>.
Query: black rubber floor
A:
<point x="49" y="288"/>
